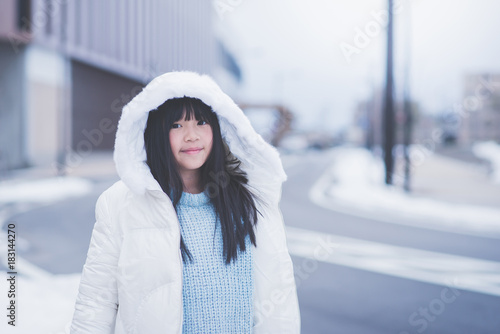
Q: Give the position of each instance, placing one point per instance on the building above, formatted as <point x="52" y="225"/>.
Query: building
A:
<point x="68" y="67"/>
<point x="479" y="112"/>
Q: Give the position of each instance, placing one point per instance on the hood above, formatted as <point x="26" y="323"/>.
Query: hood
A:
<point x="259" y="159"/>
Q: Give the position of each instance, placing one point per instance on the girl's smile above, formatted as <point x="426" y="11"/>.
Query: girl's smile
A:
<point x="193" y="150"/>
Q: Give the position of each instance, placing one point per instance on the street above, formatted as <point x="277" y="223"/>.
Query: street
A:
<point x="354" y="274"/>
<point x="340" y="299"/>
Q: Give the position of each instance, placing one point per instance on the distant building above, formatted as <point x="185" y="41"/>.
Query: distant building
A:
<point x="479" y="111"/>
<point x="68" y="67"/>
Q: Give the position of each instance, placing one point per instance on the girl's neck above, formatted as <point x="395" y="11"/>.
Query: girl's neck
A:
<point x="191" y="181"/>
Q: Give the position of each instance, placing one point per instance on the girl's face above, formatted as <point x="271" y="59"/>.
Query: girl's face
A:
<point x="191" y="143"/>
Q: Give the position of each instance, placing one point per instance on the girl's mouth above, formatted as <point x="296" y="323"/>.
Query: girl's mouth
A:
<point x="193" y="150"/>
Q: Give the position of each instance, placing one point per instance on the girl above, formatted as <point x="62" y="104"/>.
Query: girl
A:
<point x="191" y="239"/>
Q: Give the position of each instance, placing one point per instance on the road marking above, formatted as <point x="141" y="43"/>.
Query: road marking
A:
<point x="486" y="229"/>
<point x="460" y="272"/>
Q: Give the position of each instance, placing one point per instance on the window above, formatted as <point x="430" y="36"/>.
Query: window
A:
<point x="24" y="15"/>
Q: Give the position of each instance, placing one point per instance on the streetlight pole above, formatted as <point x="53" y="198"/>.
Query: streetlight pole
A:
<point x="388" y="118"/>
<point x="408" y="124"/>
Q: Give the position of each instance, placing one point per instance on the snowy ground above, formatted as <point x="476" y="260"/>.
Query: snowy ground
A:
<point x="490" y="151"/>
<point x="355" y="185"/>
<point x="44" y="190"/>
<point x="44" y="303"/>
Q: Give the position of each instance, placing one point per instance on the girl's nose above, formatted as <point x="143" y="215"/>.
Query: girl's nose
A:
<point x="191" y="133"/>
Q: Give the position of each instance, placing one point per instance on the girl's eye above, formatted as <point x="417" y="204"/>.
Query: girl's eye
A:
<point x="202" y="123"/>
<point x="176" y="126"/>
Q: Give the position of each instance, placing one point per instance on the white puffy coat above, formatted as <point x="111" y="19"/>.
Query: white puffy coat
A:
<point x="132" y="279"/>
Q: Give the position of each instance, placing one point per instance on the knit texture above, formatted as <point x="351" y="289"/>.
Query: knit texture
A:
<point x="217" y="298"/>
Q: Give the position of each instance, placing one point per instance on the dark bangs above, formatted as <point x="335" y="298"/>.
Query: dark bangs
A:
<point x="189" y="107"/>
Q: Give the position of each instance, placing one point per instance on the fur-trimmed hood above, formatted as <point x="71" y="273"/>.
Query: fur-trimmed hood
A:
<point x="259" y="159"/>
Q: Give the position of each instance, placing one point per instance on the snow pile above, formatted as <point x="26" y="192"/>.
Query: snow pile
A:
<point x="43" y="190"/>
<point x="355" y="185"/>
<point x="489" y="151"/>
<point x="44" y="305"/>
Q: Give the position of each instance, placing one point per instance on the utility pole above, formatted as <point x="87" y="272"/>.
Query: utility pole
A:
<point x="389" y="123"/>
<point x="408" y="123"/>
<point x="407" y="139"/>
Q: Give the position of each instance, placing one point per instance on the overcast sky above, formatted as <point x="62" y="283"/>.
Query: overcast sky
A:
<point x="312" y="56"/>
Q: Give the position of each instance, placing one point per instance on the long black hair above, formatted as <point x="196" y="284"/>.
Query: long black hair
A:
<point x="221" y="175"/>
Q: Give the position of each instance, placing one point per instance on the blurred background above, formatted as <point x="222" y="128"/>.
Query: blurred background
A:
<point x="386" y="115"/>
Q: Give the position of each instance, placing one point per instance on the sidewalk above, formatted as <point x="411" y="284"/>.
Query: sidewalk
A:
<point x="448" y="179"/>
<point x="97" y="166"/>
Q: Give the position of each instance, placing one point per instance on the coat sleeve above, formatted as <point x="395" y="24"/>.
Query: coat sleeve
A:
<point x="97" y="301"/>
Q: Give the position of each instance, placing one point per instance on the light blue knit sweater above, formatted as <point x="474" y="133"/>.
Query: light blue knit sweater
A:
<point x="217" y="298"/>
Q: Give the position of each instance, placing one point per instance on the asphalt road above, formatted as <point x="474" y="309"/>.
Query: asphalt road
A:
<point x="333" y="298"/>
<point x="341" y="299"/>
<point x="57" y="236"/>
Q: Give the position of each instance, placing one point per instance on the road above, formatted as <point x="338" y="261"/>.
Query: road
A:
<point x="56" y="236"/>
<point x="354" y="274"/>
<point x="342" y="299"/>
